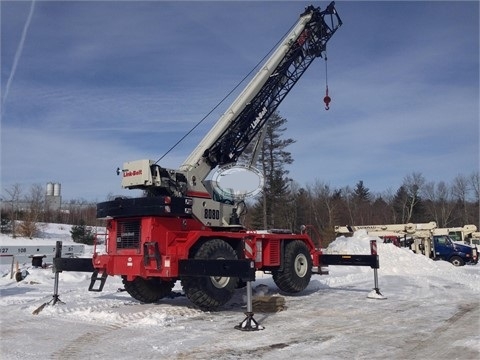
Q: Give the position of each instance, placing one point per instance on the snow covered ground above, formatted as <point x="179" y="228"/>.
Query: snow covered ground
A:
<point x="432" y="311"/>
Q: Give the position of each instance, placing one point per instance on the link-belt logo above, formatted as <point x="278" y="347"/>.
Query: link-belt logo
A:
<point x="127" y="234"/>
<point x="259" y="118"/>
<point x="132" y="173"/>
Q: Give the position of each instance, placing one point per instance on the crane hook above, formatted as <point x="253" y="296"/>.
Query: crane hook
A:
<point x="327" y="100"/>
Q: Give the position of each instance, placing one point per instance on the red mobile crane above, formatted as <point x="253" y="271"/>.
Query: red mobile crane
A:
<point x="182" y="230"/>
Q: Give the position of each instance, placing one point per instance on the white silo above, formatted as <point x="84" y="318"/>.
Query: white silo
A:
<point x="49" y="189"/>
<point x="57" y="189"/>
<point x="53" y="200"/>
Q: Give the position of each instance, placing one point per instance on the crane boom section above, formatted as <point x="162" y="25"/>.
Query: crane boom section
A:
<point x="257" y="102"/>
<point x="403" y="229"/>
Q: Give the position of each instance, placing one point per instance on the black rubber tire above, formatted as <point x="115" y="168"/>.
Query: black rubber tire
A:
<point x="209" y="292"/>
<point x="297" y="268"/>
<point x="148" y="290"/>
<point x="457" y="261"/>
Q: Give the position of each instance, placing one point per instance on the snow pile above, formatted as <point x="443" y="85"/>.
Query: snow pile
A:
<point x="48" y="234"/>
<point x="402" y="261"/>
<point x="359" y="243"/>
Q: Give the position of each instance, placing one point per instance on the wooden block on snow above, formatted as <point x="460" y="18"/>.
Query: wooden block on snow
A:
<point x="268" y="304"/>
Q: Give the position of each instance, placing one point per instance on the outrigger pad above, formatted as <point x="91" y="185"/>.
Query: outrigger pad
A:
<point x="376" y="294"/>
<point x="249" y="324"/>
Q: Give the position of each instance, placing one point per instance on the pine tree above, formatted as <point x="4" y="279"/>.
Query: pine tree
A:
<point x="361" y="203"/>
<point x="82" y="234"/>
<point x="271" y="208"/>
<point x="361" y="193"/>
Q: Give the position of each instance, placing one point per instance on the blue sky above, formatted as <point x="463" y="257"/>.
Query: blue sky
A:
<point x="88" y="85"/>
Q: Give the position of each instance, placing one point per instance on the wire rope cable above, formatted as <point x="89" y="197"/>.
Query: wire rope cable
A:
<point x="224" y="98"/>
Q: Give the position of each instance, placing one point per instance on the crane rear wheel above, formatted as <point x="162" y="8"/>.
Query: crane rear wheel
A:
<point x="294" y="276"/>
<point x="148" y="290"/>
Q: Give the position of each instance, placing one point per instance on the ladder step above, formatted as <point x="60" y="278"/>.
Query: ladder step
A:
<point x="147" y="255"/>
<point x="96" y="278"/>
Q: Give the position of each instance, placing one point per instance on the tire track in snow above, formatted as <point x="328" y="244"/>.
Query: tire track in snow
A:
<point x="121" y="318"/>
<point x="87" y="340"/>
<point x="211" y="351"/>
<point x="439" y="344"/>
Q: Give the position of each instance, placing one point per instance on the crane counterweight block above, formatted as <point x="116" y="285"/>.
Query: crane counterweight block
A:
<point x="146" y="206"/>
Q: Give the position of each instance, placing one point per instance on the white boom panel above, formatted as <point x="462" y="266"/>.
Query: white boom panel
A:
<point x="409" y="228"/>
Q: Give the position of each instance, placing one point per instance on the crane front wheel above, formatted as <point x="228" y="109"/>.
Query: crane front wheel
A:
<point x="211" y="292"/>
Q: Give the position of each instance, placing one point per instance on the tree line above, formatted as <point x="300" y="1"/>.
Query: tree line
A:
<point x="285" y="204"/>
<point x="23" y="211"/>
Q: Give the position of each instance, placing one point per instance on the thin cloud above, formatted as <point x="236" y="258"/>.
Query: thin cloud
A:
<point x="18" y="55"/>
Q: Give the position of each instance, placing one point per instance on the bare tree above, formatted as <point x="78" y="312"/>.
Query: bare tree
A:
<point x="290" y="214"/>
<point x="389" y="197"/>
<point x="14" y="193"/>
<point x="475" y="182"/>
<point x="348" y="196"/>
<point x="325" y="204"/>
<point x="36" y="202"/>
<point x="445" y="204"/>
<point x="460" y="190"/>
<point x="430" y="205"/>
<point x="413" y="184"/>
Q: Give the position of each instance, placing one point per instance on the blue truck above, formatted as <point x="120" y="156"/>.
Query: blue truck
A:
<point x="444" y="248"/>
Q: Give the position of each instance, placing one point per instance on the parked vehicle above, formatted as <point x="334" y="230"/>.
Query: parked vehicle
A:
<point x="444" y="248"/>
<point x="423" y="238"/>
